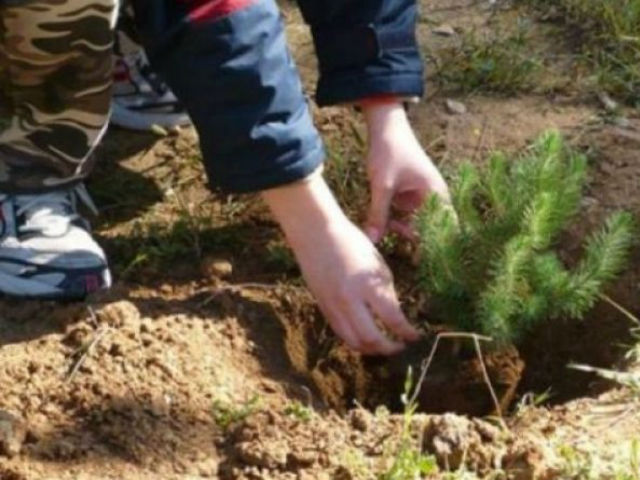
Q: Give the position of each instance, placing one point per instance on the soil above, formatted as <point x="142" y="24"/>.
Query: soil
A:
<point x="209" y="316"/>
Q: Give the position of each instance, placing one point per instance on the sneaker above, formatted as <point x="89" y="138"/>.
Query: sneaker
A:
<point x="46" y="250"/>
<point x="141" y="99"/>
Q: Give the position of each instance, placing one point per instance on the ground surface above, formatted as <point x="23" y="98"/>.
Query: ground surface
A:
<point x="209" y="360"/>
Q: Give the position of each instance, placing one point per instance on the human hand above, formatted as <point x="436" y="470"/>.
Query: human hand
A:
<point x="401" y="175"/>
<point x="348" y="277"/>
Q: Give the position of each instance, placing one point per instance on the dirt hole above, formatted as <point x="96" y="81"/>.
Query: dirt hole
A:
<point x="455" y="382"/>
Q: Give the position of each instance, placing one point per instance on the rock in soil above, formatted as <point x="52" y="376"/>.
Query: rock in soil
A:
<point x="454" y="439"/>
<point x="216" y="267"/>
<point x="455" y="108"/>
<point x="445" y="30"/>
<point x="13" y="433"/>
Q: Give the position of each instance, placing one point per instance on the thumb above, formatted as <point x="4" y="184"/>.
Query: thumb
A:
<point x="378" y="217"/>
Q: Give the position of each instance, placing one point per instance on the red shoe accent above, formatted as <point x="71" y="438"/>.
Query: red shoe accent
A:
<point x="91" y="283"/>
<point x="121" y="72"/>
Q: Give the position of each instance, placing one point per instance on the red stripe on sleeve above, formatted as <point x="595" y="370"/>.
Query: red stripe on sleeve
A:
<point x="207" y="10"/>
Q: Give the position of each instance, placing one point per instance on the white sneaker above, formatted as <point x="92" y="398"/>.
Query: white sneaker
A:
<point x="46" y="250"/>
<point x="141" y="99"/>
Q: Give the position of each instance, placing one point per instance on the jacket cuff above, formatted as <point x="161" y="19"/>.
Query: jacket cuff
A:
<point x="351" y="88"/>
<point x="300" y="170"/>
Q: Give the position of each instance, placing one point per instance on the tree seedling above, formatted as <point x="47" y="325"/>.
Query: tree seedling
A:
<point x="488" y="261"/>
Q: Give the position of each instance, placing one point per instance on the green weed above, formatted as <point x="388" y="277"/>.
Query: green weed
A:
<point x="580" y="464"/>
<point x="500" y="62"/>
<point x="409" y="461"/>
<point x="226" y="413"/>
<point x="280" y="256"/>
<point x="299" y="411"/>
<point x="609" y="38"/>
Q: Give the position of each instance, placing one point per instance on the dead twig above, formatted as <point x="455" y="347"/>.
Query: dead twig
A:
<point x="476" y="341"/>
<point x="620" y="309"/>
<point x="84" y="351"/>
<point x="234" y="289"/>
<point x="92" y="316"/>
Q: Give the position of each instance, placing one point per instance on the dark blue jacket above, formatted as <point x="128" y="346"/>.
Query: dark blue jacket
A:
<point x="228" y="61"/>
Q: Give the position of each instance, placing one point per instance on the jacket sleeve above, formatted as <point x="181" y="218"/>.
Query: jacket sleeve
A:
<point x="228" y="62"/>
<point x="365" y="48"/>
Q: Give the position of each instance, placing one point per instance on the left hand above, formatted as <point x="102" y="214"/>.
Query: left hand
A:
<point x="401" y="175"/>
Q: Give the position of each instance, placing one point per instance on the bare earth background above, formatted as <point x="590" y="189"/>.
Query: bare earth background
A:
<point x="209" y="323"/>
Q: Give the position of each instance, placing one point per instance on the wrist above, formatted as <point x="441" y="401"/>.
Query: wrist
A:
<point x="304" y="208"/>
<point x="383" y="116"/>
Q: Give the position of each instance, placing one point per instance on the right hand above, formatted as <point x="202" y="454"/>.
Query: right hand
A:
<point x="344" y="271"/>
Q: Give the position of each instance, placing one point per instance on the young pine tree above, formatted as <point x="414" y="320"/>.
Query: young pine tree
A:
<point x="487" y="261"/>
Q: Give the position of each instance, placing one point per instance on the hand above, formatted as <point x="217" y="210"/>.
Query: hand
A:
<point x="342" y="268"/>
<point x="401" y="175"/>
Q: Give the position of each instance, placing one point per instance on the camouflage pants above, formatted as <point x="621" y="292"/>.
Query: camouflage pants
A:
<point x="55" y="89"/>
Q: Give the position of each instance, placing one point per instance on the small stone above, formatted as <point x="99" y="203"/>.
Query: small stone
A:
<point x="445" y="30"/>
<point x="302" y="459"/>
<point x="253" y="454"/>
<point x="118" y="314"/>
<point x="360" y="420"/>
<point x="78" y="335"/>
<point x="13" y="433"/>
<point x="609" y="104"/>
<point x="450" y="437"/>
<point x="146" y="325"/>
<point x="216" y="267"/>
<point x="455" y="108"/>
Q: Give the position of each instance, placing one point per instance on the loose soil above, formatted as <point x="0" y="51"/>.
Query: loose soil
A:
<point x="209" y="311"/>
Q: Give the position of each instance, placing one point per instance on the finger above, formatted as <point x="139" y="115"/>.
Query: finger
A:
<point x="381" y="195"/>
<point x="438" y="185"/>
<point x="339" y="323"/>
<point x="372" y="340"/>
<point x="386" y="306"/>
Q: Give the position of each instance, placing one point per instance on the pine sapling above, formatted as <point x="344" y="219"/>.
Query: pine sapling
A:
<point x="488" y="262"/>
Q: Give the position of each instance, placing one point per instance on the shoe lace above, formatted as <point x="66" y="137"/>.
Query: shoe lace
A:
<point x="141" y="63"/>
<point x="51" y="213"/>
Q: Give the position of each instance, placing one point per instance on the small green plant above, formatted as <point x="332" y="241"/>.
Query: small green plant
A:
<point x="299" y="411"/>
<point x="409" y="462"/>
<point x="226" y="414"/>
<point x="576" y="464"/>
<point x="489" y="265"/>
<point x="501" y="62"/>
<point x="531" y="400"/>
<point x="634" y="461"/>
<point x="281" y="257"/>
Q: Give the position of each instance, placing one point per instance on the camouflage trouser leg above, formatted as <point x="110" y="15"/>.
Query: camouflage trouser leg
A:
<point x="55" y="89"/>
